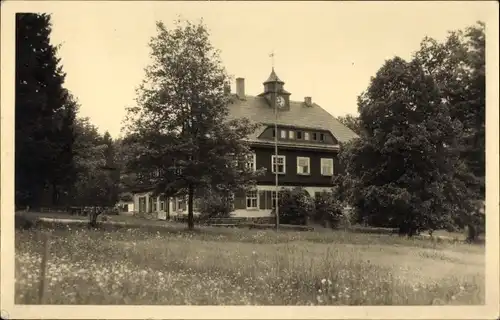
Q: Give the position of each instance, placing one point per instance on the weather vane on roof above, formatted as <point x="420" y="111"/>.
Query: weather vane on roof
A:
<point x="272" y="59"/>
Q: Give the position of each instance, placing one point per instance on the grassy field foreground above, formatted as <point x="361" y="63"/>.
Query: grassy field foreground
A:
<point x="213" y="266"/>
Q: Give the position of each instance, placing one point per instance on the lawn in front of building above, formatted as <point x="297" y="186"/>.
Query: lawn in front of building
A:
<point x="222" y="266"/>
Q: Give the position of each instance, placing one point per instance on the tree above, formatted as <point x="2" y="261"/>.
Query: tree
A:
<point x="179" y="128"/>
<point x="95" y="182"/>
<point x="406" y="171"/>
<point x="458" y="67"/>
<point x="112" y="168"/>
<point x="44" y="114"/>
<point x="352" y="122"/>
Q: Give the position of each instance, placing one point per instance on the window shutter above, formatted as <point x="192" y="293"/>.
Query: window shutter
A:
<point x="269" y="201"/>
<point x="262" y="200"/>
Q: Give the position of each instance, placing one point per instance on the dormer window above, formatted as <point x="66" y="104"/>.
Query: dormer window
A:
<point x="283" y="134"/>
<point x="299" y="135"/>
<point x="315" y="136"/>
<point x="306" y="135"/>
<point x="274" y="133"/>
<point x="291" y="134"/>
<point x="321" y="137"/>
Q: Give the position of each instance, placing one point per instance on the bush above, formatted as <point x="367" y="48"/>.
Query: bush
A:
<point x="215" y="205"/>
<point x="24" y="223"/>
<point x="295" y="206"/>
<point x="328" y="210"/>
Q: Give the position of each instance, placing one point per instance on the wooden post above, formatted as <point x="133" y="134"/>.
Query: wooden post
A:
<point x="43" y="269"/>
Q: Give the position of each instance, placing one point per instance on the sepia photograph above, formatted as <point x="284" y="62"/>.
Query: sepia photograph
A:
<point x="241" y="153"/>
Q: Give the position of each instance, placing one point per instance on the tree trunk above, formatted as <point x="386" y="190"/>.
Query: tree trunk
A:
<point x="471" y="233"/>
<point x="93" y="218"/>
<point x="190" y="208"/>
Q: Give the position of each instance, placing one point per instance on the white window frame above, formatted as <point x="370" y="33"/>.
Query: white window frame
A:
<point x="327" y="162"/>
<point x="180" y="200"/>
<point x="306" y="136"/>
<point x="283" y="134"/>
<point x="299" y="167"/>
<point x="273" y="157"/>
<point x="291" y="134"/>
<point x="252" y="198"/>
<point x="252" y="162"/>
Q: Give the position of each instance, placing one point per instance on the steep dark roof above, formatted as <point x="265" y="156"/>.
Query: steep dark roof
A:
<point x="257" y="110"/>
<point x="273" y="77"/>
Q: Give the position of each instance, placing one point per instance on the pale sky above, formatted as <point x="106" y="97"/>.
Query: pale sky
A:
<point x="327" y="50"/>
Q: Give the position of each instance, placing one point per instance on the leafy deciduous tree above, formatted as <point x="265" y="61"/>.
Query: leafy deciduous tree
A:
<point x="406" y="172"/>
<point x="352" y="122"/>
<point x="179" y="127"/>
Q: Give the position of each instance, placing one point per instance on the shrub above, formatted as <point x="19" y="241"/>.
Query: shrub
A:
<point x="328" y="210"/>
<point x="24" y="223"/>
<point x="215" y="205"/>
<point x="295" y="206"/>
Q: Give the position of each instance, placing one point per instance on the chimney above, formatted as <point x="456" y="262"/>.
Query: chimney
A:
<point x="240" y="88"/>
<point x="308" y="101"/>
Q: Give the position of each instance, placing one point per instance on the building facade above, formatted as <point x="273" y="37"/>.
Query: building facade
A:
<point x="308" y="143"/>
<point x="308" y="140"/>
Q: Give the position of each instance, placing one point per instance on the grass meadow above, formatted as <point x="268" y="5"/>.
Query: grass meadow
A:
<point x="224" y="266"/>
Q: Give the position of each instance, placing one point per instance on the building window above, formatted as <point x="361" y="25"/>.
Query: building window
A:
<point x="252" y="199"/>
<point x="162" y="205"/>
<point x="303" y="166"/>
<point x="283" y="134"/>
<point x="278" y="164"/>
<point x="291" y="134"/>
<point x="314" y="137"/>
<point x="155" y="204"/>
<point x="321" y="137"/>
<point x="180" y="204"/>
<point x="306" y="135"/>
<point x="299" y="135"/>
<point x="251" y="162"/>
<point x="326" y="167"/>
